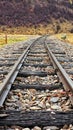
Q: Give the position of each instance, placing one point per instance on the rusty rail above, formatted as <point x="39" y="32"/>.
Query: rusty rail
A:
<point x="6" y="85"/>
<point x="63" y="76"/>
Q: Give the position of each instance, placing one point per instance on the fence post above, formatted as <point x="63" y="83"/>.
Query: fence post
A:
<point x="5" y="38"/>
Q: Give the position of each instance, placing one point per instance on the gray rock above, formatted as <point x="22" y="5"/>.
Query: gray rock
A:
<point x="36" y="128"/>
<point x="56" y="107"/>
<point x="47" y="90"/>
<point x="51" y="128"/>
<point x="54" y="99"/>
<point x="41" y="104"/>
<point x="25" y="129"/>
<point x="35" y="108"/>
<point x="47" y="105"/>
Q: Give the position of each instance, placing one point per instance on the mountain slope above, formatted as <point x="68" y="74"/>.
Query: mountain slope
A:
<point x="34" y="12"/>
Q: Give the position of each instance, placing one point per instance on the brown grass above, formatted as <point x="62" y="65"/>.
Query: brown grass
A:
<point x="39" y="29"/>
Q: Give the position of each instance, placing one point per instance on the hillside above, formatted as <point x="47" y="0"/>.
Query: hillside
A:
<point x="15" y="13"/>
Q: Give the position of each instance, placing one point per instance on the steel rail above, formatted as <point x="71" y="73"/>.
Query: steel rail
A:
<point x="63" y="76"/>
<point x="6" y="85"/>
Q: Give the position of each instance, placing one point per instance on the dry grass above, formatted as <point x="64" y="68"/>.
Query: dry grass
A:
<point x="13" y="33"/>
<point x="11" y="39"/>
<point x="69" y="37"/>
<point x="39" y="29"/>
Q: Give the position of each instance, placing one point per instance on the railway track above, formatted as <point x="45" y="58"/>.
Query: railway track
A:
<point x="9" y="55"/>
<point x="37" y="93"/>
<point x="63" y="56"/>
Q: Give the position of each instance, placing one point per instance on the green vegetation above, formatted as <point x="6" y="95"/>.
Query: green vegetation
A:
<point x="16" y="38"/>
<point x="12" y="39"/>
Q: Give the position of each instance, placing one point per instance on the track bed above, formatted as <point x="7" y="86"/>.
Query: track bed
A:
<point x="35" y="96"/>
